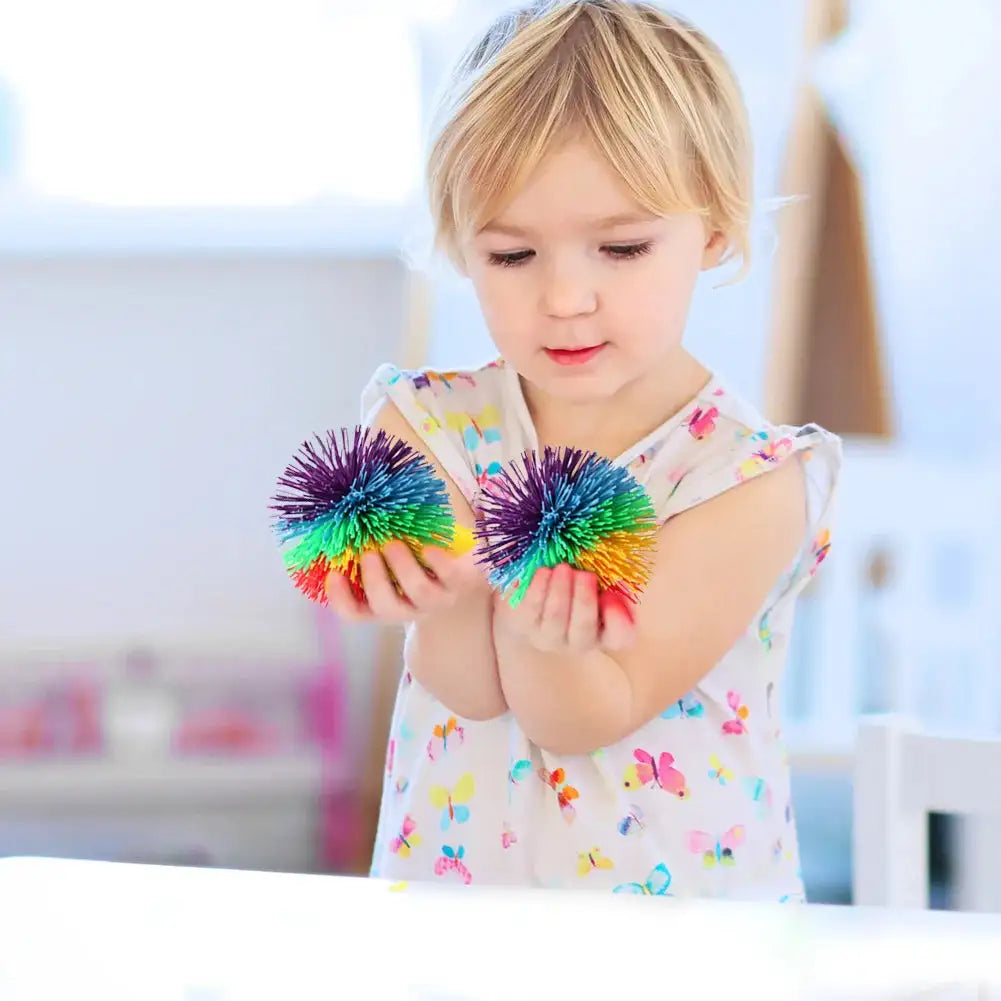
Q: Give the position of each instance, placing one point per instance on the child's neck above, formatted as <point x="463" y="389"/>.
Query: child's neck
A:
<point x="613" y="424"/>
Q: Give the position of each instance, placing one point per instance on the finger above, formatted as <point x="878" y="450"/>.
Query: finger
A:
<point x="525" y="618"/>
<point x="618" y="627"/>
<point x="555" y="617"/>
<point x="455" y="573"/>
<point x="421" y="591"/>
<point x="341" y="598"/>
<point x="582" y="628"/>
<point x="382" y="596"/>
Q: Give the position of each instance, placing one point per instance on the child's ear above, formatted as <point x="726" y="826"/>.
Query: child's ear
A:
<point x="714" y="249"/>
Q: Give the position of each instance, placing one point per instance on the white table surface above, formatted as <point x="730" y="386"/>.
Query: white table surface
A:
<point x="75" y="931"/>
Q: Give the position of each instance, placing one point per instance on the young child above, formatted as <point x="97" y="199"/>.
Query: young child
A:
<point x="593" y="159"/>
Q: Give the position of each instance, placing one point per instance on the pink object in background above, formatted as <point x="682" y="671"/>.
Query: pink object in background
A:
<point x="238" y="707"/>
<point x="22" y="730"/>
<point x="83" y="701"/>
<point x="49" y="713"/>
<point x="225" y="729"/>
<point x="325" y="714"/>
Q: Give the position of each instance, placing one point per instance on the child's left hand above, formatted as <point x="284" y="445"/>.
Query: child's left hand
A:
<point x="562" y="611"/>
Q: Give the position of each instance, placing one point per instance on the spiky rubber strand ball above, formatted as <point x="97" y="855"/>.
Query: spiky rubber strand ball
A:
<point x="350" y="493"/>
<point x="569" y="506"/>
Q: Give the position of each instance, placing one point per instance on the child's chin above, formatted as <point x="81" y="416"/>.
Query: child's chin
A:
<point x="582" y="387"/>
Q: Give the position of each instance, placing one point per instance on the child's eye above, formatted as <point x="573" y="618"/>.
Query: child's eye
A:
<point x="627" y="251"/>
<point x="617" y="251"/>
<point x="511" y="260"/>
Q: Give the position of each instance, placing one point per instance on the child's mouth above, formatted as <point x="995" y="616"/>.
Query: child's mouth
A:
<point x="573" y="356"/>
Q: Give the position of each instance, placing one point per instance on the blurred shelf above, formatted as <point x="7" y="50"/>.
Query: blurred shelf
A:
<point x="99" y="783"/>
<point x="71" y="230"/>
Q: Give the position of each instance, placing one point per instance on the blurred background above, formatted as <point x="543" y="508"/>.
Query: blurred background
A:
<point x="211" y="232"/>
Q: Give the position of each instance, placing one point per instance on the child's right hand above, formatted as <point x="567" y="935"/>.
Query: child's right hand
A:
<point x="423" y="594"/>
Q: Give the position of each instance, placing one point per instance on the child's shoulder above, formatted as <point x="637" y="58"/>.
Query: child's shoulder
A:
<point x="719" y="407"/>
<point x="458" y="414"/>
<point x="435" y="390"/>
<point x="439" y="382"/>
<point x="724" y="440"/>
<point x="721" y="440"/>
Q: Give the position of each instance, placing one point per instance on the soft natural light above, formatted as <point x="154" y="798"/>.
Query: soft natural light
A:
<point x="228" y="102"/>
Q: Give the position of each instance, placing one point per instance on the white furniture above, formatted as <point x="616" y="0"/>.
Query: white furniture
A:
<point x="184" y="795"/>
<point x="255" y="813"/>
<point x="902" y="773"/>
<point x="904" y="617"/>
<point x="115" y="932"/>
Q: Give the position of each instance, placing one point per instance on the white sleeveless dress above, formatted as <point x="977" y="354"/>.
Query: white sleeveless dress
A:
<point x="697" y="801"/>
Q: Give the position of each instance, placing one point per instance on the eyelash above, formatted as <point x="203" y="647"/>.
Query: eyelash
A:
<point x="617" y="251"/>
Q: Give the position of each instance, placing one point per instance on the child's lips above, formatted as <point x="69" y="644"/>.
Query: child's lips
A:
<point x="574" y="356"/>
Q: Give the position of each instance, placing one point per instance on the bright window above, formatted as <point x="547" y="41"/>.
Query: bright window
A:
<point x="211" y="102"/>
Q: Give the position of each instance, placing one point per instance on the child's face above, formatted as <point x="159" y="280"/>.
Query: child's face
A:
<point x="581" y="301"/>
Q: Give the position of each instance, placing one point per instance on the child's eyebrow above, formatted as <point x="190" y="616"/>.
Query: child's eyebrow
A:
<point x="606" y="222"/>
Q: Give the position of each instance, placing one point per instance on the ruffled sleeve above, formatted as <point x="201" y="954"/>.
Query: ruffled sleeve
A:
<point x="450" y="411"/>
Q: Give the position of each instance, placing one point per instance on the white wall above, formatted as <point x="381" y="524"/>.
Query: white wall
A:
<point x="918" y="107"/>
<point x="147" y="406"/>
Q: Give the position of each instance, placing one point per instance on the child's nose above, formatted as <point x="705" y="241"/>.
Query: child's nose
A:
<point x="568" y="292"/>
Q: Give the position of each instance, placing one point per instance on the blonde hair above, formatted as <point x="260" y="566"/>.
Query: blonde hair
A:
<point x="654" y="94"/>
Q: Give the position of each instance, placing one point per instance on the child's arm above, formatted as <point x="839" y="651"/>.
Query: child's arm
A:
<point x="449" y="646"/>
<point x="714" y="567"/>
<point x="452" y="655"/>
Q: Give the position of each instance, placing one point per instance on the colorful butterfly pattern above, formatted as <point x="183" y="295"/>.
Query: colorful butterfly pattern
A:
<point x="565" y="794"/>
<point x="660" y="773"/>
<point x="591" y="860"/>
<point x="519" y="771"/>
<point x="821" y="547"/>
<point x="406" y="840"/>
<point x="685" y="707"/>
<point x="655" y="885"/>
<point x="444" y="736"/>
<point x="451" y="862"/>
<point x="476" y="429"/>
<point x="771" y="453"/>
<point x="740" y="712"/>
<point x="701" y="423"/>
<point x="430" y="380"/>
<point x="453" y="802"/>
<point x="765" y="633"/>
<point x="760" y="793"/>
<point x="718" y="771"/>
<point x="484" y="474"/>
<point x="632" y="822"/>
<point x="716" y="851"/>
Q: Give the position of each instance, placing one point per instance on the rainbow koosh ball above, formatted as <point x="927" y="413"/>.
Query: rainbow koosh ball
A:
<point x="347" y="494"/>
<point x="569" y="506"/>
